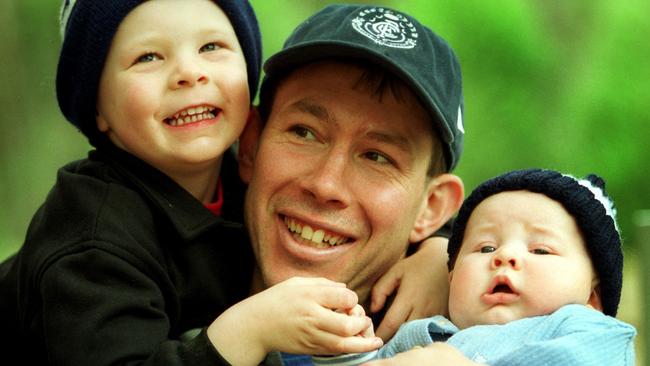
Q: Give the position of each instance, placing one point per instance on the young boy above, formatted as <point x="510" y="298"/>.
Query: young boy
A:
<point x="536" y="268"/>
<point x="142" y="242"/>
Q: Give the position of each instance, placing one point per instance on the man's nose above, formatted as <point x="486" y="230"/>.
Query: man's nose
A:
<point x="327" y="179"/>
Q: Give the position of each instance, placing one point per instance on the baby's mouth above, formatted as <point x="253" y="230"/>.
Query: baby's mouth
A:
<point x="502" y="284"/>
<point x="502" y="288"/>
<point x="192" y="115"/>
<point x="314" y="236"/>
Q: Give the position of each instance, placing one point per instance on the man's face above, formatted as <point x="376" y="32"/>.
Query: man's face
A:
<point x="339" y="178"/>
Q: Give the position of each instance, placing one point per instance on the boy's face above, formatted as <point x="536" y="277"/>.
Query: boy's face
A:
<point x="346" y="169"/>
<point x="522" y="255"/>
<point x="174" y="88"/>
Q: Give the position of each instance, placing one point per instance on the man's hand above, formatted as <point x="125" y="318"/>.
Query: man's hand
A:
<point x="299" y="315"/>
<point x="435" y="354"/>
<point x="422" y="284"/>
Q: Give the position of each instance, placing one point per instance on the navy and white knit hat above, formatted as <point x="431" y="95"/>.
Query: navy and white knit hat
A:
<point x="391" y="40"/>
<point x="584" y="199"/>
<point x="88" y="28"/>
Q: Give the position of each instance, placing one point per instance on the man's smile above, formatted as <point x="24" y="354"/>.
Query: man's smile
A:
<point x="313" y="235"/>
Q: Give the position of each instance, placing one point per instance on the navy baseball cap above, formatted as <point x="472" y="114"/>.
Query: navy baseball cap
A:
<point x="392" y="40"/>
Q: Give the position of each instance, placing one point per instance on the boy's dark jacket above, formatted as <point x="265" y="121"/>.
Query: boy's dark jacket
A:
<point x="118" y="263"/>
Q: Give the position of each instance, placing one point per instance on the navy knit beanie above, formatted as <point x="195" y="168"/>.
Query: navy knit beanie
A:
<point x="584" y="199"/>
<point x="88" y="28"/>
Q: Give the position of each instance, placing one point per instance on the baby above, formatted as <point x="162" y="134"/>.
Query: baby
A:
<point x="536" y="271"/>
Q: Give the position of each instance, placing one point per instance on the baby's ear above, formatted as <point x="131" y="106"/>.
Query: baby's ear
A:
<point x="248" y="145"/>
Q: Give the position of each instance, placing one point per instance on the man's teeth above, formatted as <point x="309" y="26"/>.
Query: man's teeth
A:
<point x="318" y="237"/>
<point x="191" y="115"/>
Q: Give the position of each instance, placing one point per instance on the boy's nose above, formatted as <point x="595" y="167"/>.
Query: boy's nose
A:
<point x="188" y="74"/>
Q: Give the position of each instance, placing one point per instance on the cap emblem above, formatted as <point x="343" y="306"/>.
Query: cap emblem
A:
<point x="386" y="28"/>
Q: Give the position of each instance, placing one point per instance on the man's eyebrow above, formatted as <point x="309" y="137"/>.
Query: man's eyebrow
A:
<point x="398" y="141"/>
<point x="323" y="114"/>
<point x="315" y="109"/>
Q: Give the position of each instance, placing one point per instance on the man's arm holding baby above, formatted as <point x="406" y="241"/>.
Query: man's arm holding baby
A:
<point x="421" y="283"/>
<point x="437" y="353"/>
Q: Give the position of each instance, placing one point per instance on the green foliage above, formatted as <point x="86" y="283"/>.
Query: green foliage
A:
<point x="554" y="84"/>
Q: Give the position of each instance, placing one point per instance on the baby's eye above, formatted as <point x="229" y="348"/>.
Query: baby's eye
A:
<point x="540" y="251"/>
<point x="303" y="132"/>
<point x="377" y="157"/>
<point x="487" y="249"/>
<point x="209" y="47"/>
<point x="147" y="57"/>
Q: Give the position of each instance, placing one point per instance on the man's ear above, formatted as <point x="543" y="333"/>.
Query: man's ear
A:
<point x="248" y="145"/>
<point x="444" y="195"/>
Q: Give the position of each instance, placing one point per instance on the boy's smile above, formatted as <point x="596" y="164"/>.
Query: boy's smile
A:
<point x="175" y="96"/>
<point x="192" y="115"/>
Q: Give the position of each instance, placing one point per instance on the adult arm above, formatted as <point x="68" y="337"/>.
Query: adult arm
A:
<point x="422" y="284"/>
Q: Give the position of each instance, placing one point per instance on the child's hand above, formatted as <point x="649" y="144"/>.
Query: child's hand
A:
<point x="295" y="316"/>
<point x="422" y="284"/>
<point x="435" y="354"/>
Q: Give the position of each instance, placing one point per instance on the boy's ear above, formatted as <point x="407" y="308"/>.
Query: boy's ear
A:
<point x="102" y="125"/>
<point x="444" y="195"/>
<point x="248" y="145"/>
<point x="594" y="298"/>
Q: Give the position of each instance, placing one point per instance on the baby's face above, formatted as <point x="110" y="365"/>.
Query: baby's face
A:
<point x="522" y="255"/>
<point x="174" y="88"/>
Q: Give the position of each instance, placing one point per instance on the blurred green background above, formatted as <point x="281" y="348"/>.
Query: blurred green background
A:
<point x="548" y="83"/>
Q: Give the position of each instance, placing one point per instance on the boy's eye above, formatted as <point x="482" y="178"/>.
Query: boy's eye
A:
<point x="303" y="132"/>
<point x="147" y="57"/>
<point x="209" y="47"/>
<point x="377" y="157"/>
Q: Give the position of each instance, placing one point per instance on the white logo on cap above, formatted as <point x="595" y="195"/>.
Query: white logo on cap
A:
<point x="386" y="27"/>
<point x="459" y="121"/>
<point x="66" y="9"/>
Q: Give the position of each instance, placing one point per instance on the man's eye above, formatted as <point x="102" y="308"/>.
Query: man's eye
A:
<point x="377" y="157"/>
<point x="209" y="47"/>
<point x="487" y="249"/>
<point x="147" y="57"/>
<point x="303" y="132"/>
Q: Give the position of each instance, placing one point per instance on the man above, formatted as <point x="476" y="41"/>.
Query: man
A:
<point x="362" y="123"/>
